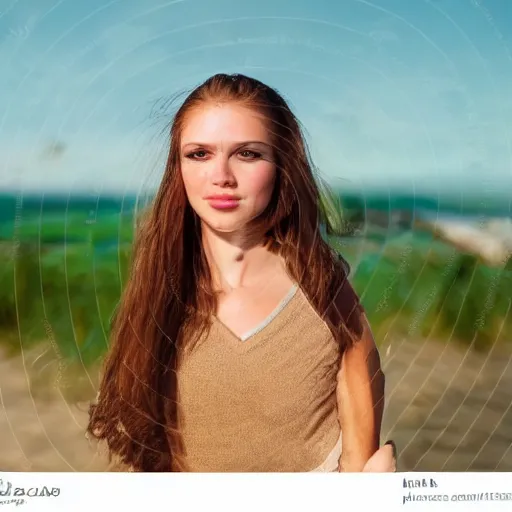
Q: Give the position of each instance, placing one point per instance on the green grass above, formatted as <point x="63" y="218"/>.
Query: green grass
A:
<point x="64" y="295"/>
<point x="435" y="292"/>
<point x="68" y="229"/>
<point x="410" y="286"/>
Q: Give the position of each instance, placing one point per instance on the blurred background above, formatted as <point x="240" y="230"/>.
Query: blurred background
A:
<point x="408" y="115"/>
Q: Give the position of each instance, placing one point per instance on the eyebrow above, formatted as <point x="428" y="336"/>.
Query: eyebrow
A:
<point x="236" y="144"/>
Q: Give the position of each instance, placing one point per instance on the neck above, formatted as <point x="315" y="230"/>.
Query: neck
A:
<point x="235" y="259"/>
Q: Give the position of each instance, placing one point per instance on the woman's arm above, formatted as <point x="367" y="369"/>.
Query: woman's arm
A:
<point x="360" y="392"/>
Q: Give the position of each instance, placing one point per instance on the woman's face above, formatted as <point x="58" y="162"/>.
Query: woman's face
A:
<point x="227" y="165"/>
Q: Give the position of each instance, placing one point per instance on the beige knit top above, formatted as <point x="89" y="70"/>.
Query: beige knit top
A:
<point x="264" y="403"/>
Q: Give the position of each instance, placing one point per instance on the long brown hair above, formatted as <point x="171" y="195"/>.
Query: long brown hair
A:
<point x="169" y="290"/>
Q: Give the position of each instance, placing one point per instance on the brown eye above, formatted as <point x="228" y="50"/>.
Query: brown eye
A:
<point x="197" y="155"/>
<point x="249" y="155"/>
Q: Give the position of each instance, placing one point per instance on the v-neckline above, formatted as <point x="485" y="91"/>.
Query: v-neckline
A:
<point x="262" y="326"/>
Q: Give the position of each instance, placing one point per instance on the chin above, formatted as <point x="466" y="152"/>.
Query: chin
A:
<point x="224" y="225"/>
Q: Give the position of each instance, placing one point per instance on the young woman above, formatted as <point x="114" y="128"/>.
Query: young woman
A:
<point x="239" y="344"/>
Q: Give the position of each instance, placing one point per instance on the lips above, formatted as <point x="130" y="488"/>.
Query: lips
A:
<point x="223" y="202"/>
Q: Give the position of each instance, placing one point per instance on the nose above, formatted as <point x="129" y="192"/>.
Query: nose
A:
<point x="222" y="175"/>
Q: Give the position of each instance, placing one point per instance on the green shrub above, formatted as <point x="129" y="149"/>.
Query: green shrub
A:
<point x="410" y="286"/>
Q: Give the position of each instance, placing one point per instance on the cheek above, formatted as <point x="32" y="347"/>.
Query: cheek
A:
<point x="193" y="182"/>
<point x="260" y="184"/>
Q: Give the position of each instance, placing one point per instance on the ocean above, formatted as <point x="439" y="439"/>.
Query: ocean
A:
<point x="67" y="218"/>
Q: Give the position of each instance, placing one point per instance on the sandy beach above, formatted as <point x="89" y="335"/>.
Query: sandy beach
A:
<point x="447" y="410"/>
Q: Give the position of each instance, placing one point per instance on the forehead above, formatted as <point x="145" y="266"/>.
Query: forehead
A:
<point x="225" y="122"/>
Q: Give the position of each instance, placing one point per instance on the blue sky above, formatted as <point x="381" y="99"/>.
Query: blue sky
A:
<point x="408" y="92"/>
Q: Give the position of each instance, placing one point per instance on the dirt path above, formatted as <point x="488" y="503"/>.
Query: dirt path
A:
<point x="445" y="412"/>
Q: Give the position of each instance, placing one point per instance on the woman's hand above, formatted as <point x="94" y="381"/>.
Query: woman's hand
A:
<point x="383" y="460"/>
